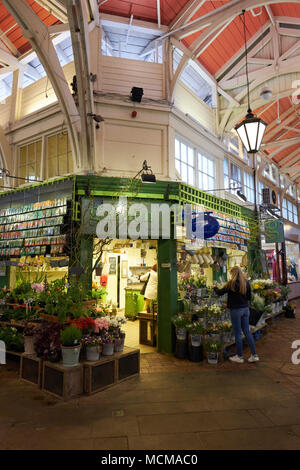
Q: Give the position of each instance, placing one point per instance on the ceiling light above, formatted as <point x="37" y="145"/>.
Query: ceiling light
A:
<point x="251" y="130"/>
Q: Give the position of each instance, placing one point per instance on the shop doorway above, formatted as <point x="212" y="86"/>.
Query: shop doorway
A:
<point x="122" y="265"/>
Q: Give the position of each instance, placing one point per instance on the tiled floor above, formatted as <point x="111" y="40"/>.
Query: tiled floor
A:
<point x="132" y="337"/>
<point x="174" y="404"/>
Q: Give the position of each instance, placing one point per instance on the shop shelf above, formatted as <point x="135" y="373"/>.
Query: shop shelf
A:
<point x="62" y="382"/>
<point x="31" y="369"/>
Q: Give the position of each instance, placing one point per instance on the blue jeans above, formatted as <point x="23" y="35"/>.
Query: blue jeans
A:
<point x="240" y="322"/>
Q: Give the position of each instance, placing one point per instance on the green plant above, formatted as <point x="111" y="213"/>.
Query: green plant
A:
<point x="212" y="346"/>
<point x="226" y="326"/>
<point x="195" y="328"/>
<point x="258" y="303"/>
<point x="12" y="339"/>
<point x="180" y="321"/>
<point x="71" y="336"/>
<point x="284" y="291"/>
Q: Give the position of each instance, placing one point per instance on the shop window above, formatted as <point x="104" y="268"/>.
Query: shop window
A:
<point x="206" y="172"/>
<point x="30" y="161"/>
<point x="185" y="162"/>
<point x="59" y="155"/>
<point x="282" y="181"/>
<point x="249" y="187"/>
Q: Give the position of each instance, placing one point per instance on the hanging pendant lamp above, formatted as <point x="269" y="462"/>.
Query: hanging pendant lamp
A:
<point x="251" y="130"/>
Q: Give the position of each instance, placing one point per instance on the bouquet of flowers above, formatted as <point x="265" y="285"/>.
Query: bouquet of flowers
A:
<point x="195" y="328"/>
<point x="89" y="341"/>
<point x="213" y="329"/>
<point x="213" y="346"/>
<point x="226" y="326"/>
<point x="110" y="338"/>
<point x="180" y="321"/>
<point x="84" y="324"/>
<point x="214" y="311"/>
<point x="261" y="284"/>
<point x="101" y="325"/>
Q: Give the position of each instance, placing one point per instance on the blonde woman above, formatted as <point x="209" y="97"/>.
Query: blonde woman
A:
<point x="239" y="296"/>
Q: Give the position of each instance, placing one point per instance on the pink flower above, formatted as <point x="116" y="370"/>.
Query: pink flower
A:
<point x="38" y="287"/>
<point x="101" y="324"/>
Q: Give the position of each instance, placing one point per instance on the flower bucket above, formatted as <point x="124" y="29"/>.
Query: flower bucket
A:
<point x="215" y="337"/>
<point x="212" y="357"/>
<point x="226" y="337"/>
<point x="70" y="355"/>
<point x="29" y="345"/>
<point x="181" y="333"/>
<point x="273" y="308"/>
<point x="196" y="340"/>
<point x="285" y="302"/>
<point x="119" y="347"/>
<point x="92" y="353"/>
<point x="108" y="349"/>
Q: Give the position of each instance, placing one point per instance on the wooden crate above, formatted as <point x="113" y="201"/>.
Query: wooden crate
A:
<point x="62" y="382"/>
<point x="110" y="370"/>
<point x="99" y="375"/>
<point x="127" y="364"/>
<point x="13" y="360"/>
<point x="31" y="369"/>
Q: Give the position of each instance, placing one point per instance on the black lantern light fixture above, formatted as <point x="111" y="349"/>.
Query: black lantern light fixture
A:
<point x="146" y="173"/>
<point x="251" y="130"/>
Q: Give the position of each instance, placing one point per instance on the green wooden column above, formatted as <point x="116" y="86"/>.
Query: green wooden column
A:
<point x="86" y="260"/>
<point x="167" y="293"/>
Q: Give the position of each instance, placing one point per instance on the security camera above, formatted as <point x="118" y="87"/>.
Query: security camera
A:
<point x="96" y="117"/>
<point x="266" y="93"/>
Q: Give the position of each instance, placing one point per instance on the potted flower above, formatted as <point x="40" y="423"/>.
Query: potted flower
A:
<point x="212" y="349"/>
<point x="195" y="330"/>
<point x="108" y="341"/>
<point x="70" y="339"/>
<point x="101" y="325"/>
<point x="48" y="341"/>
<point x="12" y="339"/>
<point x="227" y="331"/>
<point x="180" y="322"/>
<point x="92" y="345"/>
<point x="29" y="338"/>
<point x="119" y="345"/>
<point x="214" y="331"/>
<point x="86" y="325"/>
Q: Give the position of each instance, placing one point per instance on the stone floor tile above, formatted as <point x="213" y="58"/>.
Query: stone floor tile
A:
<point x="181" y="441"/>
<point x="177" y="423"/>
<point x="234" y="419"/>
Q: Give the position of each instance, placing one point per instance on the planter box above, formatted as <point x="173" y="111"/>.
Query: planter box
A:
<point x="13" y="360"/>
<point x="99" y="375"/>
<point x="62" y="382"/>
<point x="128" y="364"/>
<point x="110" y="370"/>
<point x="31" y="369"/>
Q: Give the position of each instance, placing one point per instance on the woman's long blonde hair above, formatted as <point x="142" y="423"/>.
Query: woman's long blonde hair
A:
<point x="237" y="275"/>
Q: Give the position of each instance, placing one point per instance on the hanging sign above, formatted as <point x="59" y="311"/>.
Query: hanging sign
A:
<point x="274" y="231"/>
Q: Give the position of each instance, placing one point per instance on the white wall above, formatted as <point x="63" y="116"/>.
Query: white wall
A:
<point x="119" y="75"/>
<point x="189" y="103"/>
